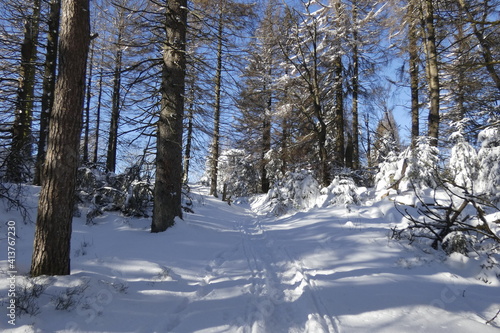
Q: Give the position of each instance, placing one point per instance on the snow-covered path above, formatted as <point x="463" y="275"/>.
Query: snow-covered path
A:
<point x="280" y="287"/>
<point x="227" y="269"/>
<point x="274" y="293"/>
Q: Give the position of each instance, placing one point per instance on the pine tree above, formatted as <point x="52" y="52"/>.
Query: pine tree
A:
<point x="256" y="98"/>
<point x="48" y="86"/>
<point x="168" y="183"/>
<point x="432" y="69"/>
<point x="21" y="146"/>
<point x="51" y="253"/>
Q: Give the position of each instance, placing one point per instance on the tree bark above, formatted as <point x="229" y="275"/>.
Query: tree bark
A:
<point x="88" y="97"/>
<point x="48" y="86"/>
<point x="339" y="161"/>
<point x="266" y="145"/>
<point x="98" y="117"/>
<point x="189" y="141"/>
<point x="414" y="81"/>
<point x="355" y="93"/>
<point x="51" y="253"/>
<point x="214" y="159"/>
<point x="20" y="153"/>
<point x="432" y="71"/>
<point x="168" y="184"/>
<point x="115" y="109"/>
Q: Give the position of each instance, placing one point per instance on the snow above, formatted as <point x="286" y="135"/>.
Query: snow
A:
<point x="226" y="268"/>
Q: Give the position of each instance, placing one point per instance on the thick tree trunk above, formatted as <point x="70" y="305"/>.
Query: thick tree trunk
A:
<point x="20" y="153"/>
<point x="51" y="253"/>
<point x="168" y="184"/>
<point x="432" y="71"/>
<point x="48" y="86"/>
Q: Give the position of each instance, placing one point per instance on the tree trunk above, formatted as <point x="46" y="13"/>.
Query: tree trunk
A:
<point x="266" y="144"/>
<point x="432" y="71"/>
<point x="168" y="184"/>
<point x="115" y="110"/>
<point x="86" y="132"/>
<point x="284" y="146"/>
<point x="355" y="93"/>
<point x="98" y="117"/>
<point x="214" y="159"/>
<point x="51" y="253"/>
<point x="414" y="82"/>
<point x="339" y="116"/>
<point x="368" y="141"/>
<point x="48" y="86"/>
<point x="349" y="152"/>
<point x="20" y="154"/>
<point x="189" y="141"/>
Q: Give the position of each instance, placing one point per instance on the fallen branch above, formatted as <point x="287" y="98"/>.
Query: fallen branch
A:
<point x="492" y="319"/>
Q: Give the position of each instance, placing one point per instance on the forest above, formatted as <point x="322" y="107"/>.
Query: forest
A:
<point x="122" y="105"/>
<point x="279" y="165"/>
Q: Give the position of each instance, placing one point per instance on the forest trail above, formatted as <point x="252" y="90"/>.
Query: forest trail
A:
<point x="230" y="268"/>
<point x="327" y="270"/>
<point x="274" y="290"/>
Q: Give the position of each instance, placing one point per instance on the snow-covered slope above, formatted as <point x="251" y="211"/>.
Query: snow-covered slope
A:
<point x="227" y="269"/>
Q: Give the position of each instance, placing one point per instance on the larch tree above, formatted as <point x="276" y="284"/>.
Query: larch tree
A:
<point x="51" y="249"/>
<point x="168" y="182"/>
<point x="48" y="86"/>
<point x="432" y="69"/>
<point x="227" y="19"/>
<point x="22" y="140"/>
<point x="215" y="149"/>
<point x="116" y="96"/>
<point x="314" y="63"/>
<point x="414" y="61"/>
<point x="256" y="98"/>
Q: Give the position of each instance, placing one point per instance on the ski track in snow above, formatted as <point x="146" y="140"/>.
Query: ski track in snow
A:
<point x="277" y="276"/>
<point x="229" y="269"/>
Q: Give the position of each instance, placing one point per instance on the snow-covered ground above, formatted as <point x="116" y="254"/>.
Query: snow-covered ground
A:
<point x="228" y="269"/>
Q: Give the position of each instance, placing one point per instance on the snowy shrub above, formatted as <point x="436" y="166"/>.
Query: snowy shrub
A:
<point x="463" y="163"/>
<point x="489" y="165"/>
<point x="457" y="242"/>
<point x="139" y="199"/>
<point x="415" y="168"/>
<point x="389" y="171"/>
<point x="274" y="164"/>
<point x="88" y="180"/>
<point x="237" y="175"/>
<point x="298" y="191"/>
<point x="124" y="192"/>
<point x="109" y="198"/>
<point x="342" y="191"/>
<point x="422" y="168"/>
<point x="451" y="220"/>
